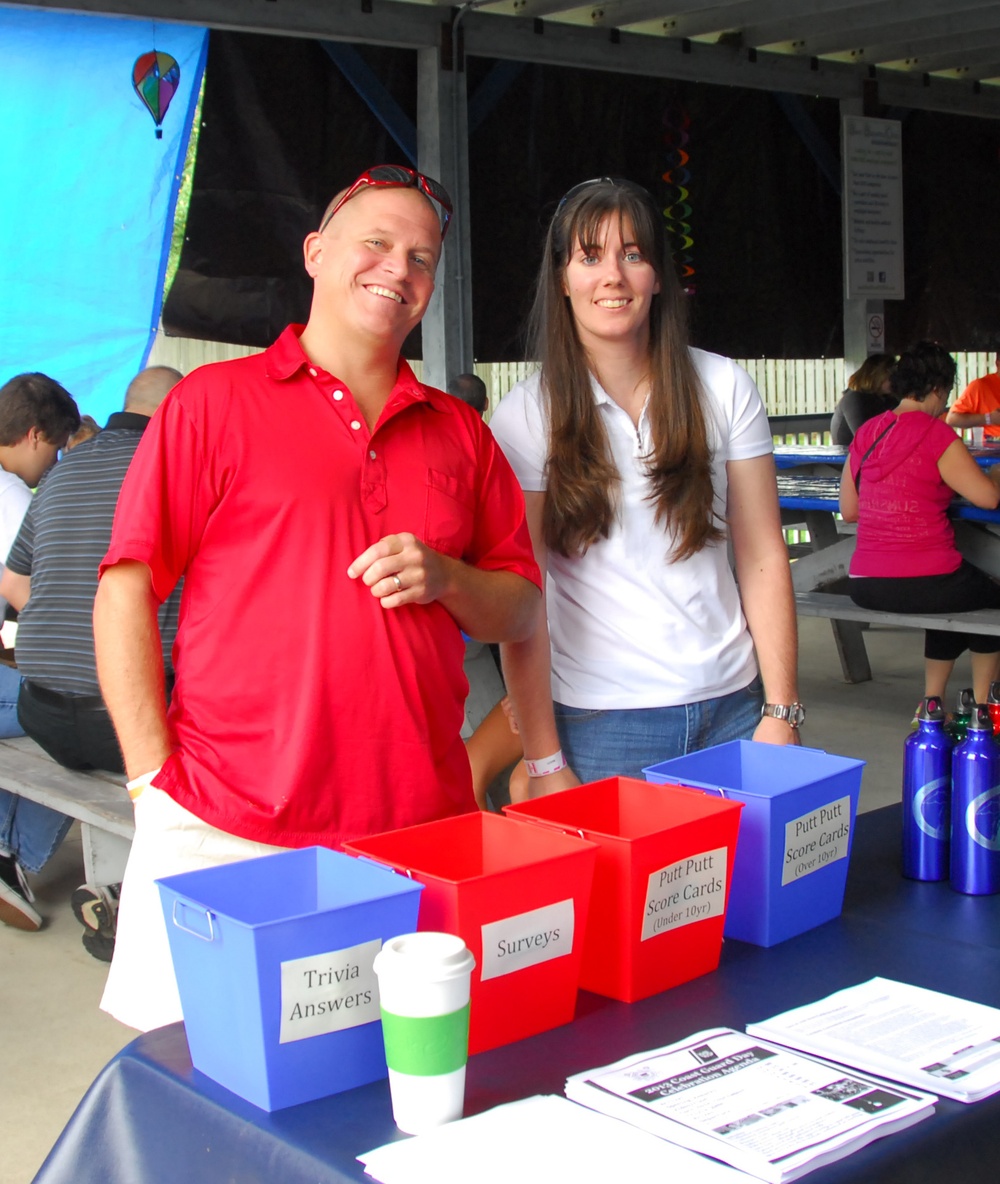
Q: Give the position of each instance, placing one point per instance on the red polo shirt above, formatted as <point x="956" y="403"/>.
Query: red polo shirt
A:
<point x="304" y="712"/>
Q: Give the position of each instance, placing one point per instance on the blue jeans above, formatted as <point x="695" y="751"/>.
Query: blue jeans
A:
<point x="608" y="743"/>
<point x="10" y="687"/>
<point x="28" y="831"/>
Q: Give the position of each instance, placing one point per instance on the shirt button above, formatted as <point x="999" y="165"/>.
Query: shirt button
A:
<point x="355" y="424"/>
<point x="338" y="395"/>
<point x="372" y="454"/>
<point x="312" y="371"/>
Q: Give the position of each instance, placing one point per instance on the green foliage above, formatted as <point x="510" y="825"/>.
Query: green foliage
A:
<point x="183" y="197"/>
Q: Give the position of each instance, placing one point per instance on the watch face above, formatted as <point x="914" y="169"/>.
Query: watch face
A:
<point x="797" y="715"/>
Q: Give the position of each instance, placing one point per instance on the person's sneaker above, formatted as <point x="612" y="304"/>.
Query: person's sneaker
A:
<point x="95" y="906"/>
<point x="16" y="897"/>
<point x="98" y="946"/>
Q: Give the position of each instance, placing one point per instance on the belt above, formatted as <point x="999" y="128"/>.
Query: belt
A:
<point x="58" y="699"/>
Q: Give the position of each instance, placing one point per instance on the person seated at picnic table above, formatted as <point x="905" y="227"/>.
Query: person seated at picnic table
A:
<point x="869" y="393"/>
<point x="51" y="579"/>
<point x="902" y="471"/>
<point x="641" y="459"/>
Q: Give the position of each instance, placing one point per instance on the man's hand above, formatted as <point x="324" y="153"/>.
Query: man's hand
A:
<point x="400" y="569"/>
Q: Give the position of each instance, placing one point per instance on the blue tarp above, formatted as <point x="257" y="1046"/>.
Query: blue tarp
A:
<point x="87" y="196"/>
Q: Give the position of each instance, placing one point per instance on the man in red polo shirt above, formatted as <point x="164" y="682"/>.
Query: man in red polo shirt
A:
<point x="337" y="524"/>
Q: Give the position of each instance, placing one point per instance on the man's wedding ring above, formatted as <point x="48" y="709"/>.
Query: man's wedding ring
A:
<point x="399" y="583"/>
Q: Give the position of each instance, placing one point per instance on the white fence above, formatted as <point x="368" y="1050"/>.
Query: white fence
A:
<point x="798" y="386"/>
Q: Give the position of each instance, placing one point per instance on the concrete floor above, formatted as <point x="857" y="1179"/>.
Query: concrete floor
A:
<point x="57" y="1040"/>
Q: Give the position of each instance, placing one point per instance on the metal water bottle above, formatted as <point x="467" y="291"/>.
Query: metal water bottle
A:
<point x="975" y="809"/>
<point x="993" y="703"/>
<point x="927" y="795"/>
<point x="959" y="722"/>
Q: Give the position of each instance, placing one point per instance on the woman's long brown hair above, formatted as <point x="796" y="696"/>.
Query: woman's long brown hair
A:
<point x="583" y="483"/>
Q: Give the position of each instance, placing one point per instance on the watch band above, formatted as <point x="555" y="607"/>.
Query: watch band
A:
<point x="794" y="714"/>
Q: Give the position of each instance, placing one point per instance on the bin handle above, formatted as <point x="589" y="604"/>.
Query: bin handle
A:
<point x="718" y="790"/>
<point x="386" y="867"/>
<point x="548" y="824"/>
<point x="194" y="932"/>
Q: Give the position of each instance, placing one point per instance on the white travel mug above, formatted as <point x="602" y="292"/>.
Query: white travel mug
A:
<point x="423" y="982"/>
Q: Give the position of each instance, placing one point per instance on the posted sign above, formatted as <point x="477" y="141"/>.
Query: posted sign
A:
<point x="873" y="207"/>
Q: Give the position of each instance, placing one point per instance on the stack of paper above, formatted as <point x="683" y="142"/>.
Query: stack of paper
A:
<point x="538" y="1141"/>
<point x="766" y="1110"/>
<point x="910" y="1034"/>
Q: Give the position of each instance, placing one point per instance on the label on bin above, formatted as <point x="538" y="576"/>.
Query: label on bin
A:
<point x="527" y="939"/>
<point x="681" y="893"/>
<point x="329" y="992"/>
<point x="816" y="840"/>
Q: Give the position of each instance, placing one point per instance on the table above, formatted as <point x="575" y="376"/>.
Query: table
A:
<point x="150" y="1117"/>
<point x="823" y="456"/>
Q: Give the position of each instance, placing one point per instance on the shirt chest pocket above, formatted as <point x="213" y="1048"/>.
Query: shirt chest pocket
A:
<point x="449" y="515"/>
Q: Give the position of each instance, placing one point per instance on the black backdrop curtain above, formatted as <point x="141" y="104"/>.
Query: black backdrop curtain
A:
<point x="755" y="223"/>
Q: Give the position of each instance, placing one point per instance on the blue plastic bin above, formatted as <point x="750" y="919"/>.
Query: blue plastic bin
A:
<point x="273" y="958"/>
<point x="795" y="834"/>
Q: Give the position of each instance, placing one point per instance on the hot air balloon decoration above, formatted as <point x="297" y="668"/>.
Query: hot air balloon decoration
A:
<point x="155" y="77"/>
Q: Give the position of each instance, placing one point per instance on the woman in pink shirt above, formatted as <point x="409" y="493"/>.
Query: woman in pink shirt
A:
<point x="902" y="471"/>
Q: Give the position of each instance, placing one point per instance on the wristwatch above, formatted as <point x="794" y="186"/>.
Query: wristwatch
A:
<point x="794" y="714"/>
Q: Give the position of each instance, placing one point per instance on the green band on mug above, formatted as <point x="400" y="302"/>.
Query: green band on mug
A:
<point x="426" y="1046"/>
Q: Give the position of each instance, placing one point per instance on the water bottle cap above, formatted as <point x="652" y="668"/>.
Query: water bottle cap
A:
<point x="994" y="695"/>
<point x="966" y="700"/>
<point x="981" y="721"/>
<point x="931" y="708"/>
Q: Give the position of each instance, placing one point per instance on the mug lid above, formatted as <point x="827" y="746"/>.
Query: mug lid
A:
<point x="433" y="957"/>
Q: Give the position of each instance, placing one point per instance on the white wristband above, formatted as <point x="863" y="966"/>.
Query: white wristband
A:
<point x="545" y="765"/>
<point x="138" y="784"/>
<point x="986" y="418"/>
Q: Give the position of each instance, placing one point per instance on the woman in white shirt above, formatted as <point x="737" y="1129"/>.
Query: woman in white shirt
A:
<point x="640" y="458"/>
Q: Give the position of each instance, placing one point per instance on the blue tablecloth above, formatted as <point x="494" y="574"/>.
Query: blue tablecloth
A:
<point x="152" y="1119"/>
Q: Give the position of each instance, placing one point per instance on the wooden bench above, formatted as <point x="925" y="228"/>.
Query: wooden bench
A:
<point x="97" y="799"/>
<point x="853" y="656"/>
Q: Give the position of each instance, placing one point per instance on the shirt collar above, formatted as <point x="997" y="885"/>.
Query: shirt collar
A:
<point x="126" y="419"/>
<point x="285" y="358"/>
<point x="601" y="397"/>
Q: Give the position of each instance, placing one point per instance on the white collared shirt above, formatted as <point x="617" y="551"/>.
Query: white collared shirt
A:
<point x="628" y="628"/>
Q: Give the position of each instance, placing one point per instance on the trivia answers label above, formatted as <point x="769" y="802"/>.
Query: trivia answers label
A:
<point x="681" y="893"/>
<point x="816" y="840"/>
<point x="527" y="939"/>
<point x="329" y="992"/>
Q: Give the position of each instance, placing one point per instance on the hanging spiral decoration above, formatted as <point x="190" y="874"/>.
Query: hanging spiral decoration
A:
<point x="676" y="123"/>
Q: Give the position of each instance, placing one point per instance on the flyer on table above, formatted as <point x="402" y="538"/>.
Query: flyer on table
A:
<point x="908" y="1033"/>
<point x="767" y="1110"/>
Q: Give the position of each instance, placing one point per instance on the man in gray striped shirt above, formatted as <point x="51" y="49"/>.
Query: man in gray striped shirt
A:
<point x="51" y="578"/>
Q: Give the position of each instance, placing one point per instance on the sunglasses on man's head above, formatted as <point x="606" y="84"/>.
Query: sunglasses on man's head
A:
<point x="398" y="176"/>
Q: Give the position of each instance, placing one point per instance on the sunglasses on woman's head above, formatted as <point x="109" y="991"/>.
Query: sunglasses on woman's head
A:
<point x="398" y="176"/>
<point x="614" y="182"/>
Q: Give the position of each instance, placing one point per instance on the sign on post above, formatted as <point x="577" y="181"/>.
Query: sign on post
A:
<point x="873" y="208"/>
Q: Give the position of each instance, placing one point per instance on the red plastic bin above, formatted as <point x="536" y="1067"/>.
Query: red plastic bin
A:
<point x="518" y="896"/>
<point x="661" y="885"/>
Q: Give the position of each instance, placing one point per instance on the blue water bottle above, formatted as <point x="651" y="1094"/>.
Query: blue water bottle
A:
<point x="927" y="795"/>
<point x="975" y="809"/>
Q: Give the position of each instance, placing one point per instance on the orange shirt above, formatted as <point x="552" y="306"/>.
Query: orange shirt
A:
<point x="980" y="396"/>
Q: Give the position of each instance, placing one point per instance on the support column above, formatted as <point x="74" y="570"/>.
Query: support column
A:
<point x="443" y="153"/>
